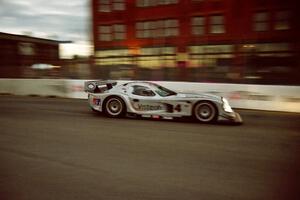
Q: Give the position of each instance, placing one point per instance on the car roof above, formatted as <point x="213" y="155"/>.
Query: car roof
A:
<point x="142" y="83"/>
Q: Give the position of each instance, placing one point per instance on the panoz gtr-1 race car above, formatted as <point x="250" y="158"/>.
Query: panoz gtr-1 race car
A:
<point x="147" y="99"/>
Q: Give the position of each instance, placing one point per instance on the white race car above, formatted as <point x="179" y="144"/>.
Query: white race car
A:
<point x="149" y="99"/>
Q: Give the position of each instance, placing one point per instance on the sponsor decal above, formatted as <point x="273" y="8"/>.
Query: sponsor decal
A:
<point x="239" y="95"/>
<point x="77" y="88"/>
<point x="177" y="108"/>
<point x="155" y="116"/>
<point x="96" y="101"/>
<point x="58" y="87"/>
<point x="145" y="107"/>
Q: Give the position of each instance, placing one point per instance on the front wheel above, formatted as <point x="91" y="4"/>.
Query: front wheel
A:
<point x="114" y="107"/>
<point x="205" y="112"/>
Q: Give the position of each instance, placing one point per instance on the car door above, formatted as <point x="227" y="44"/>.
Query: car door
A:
<point x="144" y="100"/>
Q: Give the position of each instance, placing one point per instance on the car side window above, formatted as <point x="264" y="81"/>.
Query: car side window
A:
<point x="142" y="91"/>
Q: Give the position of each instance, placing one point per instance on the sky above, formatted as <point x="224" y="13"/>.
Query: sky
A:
<point x="52" y="19"/>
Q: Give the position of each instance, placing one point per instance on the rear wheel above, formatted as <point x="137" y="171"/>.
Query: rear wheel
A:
<point x="205" y="112"/>
<point x="114" y="107"/>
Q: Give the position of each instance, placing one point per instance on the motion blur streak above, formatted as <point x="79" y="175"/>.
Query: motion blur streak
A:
<point x="58" y="149"/>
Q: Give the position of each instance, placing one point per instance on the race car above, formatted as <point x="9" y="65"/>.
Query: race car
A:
<point x="148" y="99"/>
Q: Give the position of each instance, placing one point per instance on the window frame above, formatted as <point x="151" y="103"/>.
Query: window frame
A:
<point x="145" y="88"/>
<point x="213" y="25"/>
<point x="162" y="28"/>
<point x="112" y="33"/>
<point x="107" y="6"/>
<point x="196" y="26"/>
<point x="261" y="23"/>
<point x="282" y="23"/>
<point x="104" y="6"/>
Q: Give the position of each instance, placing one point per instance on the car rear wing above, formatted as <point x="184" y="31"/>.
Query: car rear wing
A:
<point x="98" y="86"/>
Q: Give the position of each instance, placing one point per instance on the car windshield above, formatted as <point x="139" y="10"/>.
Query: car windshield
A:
<point x="162" y="91"/>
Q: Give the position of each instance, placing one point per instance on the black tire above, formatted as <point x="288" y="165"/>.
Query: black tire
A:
<point x="114" y="107"/>
<point x="205" y="112"/>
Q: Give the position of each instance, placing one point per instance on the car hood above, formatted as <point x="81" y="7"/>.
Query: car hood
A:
<point x="198" y="95"/>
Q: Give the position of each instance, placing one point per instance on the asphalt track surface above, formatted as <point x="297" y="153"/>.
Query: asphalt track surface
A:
<point x="58" y="149"/>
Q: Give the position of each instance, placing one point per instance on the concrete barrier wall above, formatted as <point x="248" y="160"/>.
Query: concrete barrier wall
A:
<point x="42" y="87"/>
<point x="258" y="97"/>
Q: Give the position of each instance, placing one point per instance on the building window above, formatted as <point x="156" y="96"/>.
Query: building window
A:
<point x="141" y="29"/>
<point x="198" y="25"/>
<point x="157" y="57"/>
<point x="282" y="20"/>
<point x="157" y="29"/>
<point x="119" y="31"/>
<point x="112" y="32"/>
<point x="111" y="5"/>
<point x="104" y="6"/>
<point x="118" y="5"/>
<point x="171" y="28"/>
<point x="105" y="33"/>
<point x="166" y="2"/>
<point x="261" y="21"/>
<point x="150" y="3"/>
<point x="217" y="24"/>
<point x="26" y="49"/>
<point x="212" y="56"/>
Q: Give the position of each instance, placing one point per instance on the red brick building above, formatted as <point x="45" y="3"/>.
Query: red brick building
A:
<point x="250" y="41"/>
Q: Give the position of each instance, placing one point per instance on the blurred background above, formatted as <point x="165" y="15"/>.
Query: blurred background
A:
<point x="56" y="148"/>
<point x="217" y="41"/>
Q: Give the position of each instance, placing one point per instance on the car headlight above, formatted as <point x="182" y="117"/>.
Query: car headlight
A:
<point x="226" y="105"/>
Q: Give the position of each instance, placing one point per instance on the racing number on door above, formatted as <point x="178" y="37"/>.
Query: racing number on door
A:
<point x="177" y="108"/>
